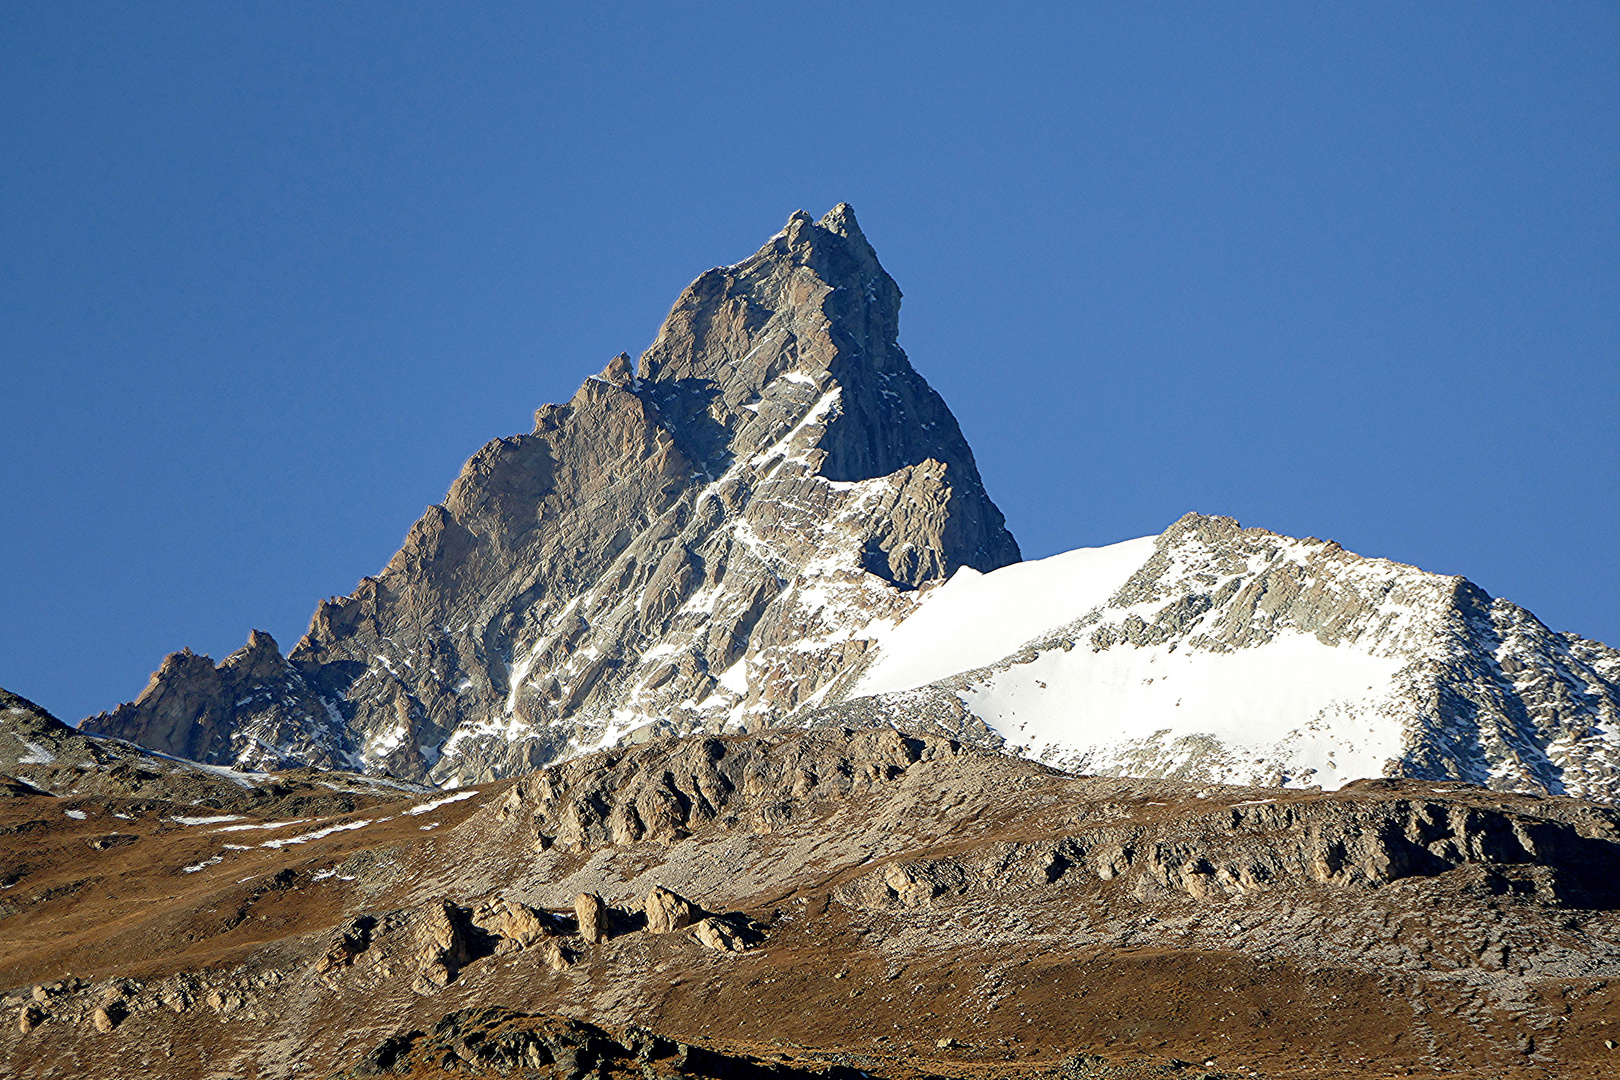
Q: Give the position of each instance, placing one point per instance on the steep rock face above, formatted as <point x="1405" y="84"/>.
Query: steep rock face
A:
<point x="41" y="755"/>
<point x="664" y="792"/>
<point x="252" y="710"/>
<point x="1243" y="656"/>
<point x="694" y="547"/>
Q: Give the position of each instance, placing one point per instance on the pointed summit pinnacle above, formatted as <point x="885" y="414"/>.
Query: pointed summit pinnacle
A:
<point x="619" y="371"/>
<point x="841" y="220"/>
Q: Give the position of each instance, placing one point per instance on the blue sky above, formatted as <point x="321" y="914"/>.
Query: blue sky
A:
<point x="270" y="273"/>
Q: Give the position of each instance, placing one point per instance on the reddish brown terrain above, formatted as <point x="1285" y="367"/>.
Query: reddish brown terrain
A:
<point x="860" y="903"/>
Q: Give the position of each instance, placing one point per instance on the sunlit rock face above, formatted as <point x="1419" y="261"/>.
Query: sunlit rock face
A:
<point x="697" y="541"/>
<point x="1215" y="653"/>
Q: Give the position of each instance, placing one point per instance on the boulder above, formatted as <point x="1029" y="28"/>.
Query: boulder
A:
<point x="106" y="1017"/>
<point x="719" y="935"/>
<point x="444" y="942"/>
<point x="668" y="912"/>
<point x="347" y="942"/>
<point x="592" y="915"/>
<point x="555" y="956"/>
<point x="514" y="922"/>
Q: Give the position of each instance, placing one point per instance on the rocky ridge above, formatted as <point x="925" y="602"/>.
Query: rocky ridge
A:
<point x="254" y="710"/>
<point x="40" y="755"/>
<point x="916" y="906"/>
<point x="691" y="543"/>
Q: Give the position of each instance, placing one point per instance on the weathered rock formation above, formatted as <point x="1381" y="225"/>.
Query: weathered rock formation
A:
<point x="40" y="754"/>
<point x="592" y="917"/>
<point x="668" y="912"/>
<point x="502" y="1042"/>
<point x="252" y="710"/>
<point x="662" y="792"/>
<point x="517" y="924"/>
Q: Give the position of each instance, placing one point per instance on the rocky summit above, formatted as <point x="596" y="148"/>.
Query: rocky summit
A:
<point x="1218" y="653"/>
<point x="691" y="542"/>
<point x="771" y="519"/>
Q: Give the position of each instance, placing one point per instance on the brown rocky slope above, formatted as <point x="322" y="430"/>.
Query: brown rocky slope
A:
<point x="818" y="901"/>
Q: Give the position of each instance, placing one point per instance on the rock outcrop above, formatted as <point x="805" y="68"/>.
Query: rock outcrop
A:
<point x="1383" y="833"/>
<point x="251" y="710"/>
<point x="592" y="917"/>
<point x="695" y="541"/>
<point x="516" y="924"/>
<point x="668" y="912"/>
<point x="660" y="792"/>
<point x="501" y="1042"/>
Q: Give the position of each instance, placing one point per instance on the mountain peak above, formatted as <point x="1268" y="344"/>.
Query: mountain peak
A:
<point x="697" y="549"/>
<point x="841" y="220"/>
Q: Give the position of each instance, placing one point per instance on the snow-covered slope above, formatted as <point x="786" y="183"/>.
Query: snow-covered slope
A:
<point x="976" y="619"/>
<point x="1219" y="653"/>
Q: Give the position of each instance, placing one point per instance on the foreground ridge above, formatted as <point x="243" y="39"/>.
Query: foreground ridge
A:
<point x="816" y="901"/>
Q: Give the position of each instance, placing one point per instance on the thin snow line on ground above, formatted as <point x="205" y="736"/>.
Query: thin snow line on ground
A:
<point x="305" y="838"/>
<point x="428" y="807"/>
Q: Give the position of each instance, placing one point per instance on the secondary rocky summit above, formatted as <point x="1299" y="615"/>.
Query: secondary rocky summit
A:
<point x="773" y="520"/>
<point x="1218" y="653"/>
<point x="693" y="541"/>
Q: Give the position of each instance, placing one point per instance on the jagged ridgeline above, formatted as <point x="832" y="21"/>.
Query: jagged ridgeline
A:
<point x="694" y="541"/>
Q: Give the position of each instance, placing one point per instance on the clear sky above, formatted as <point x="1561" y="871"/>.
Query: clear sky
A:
<point x="270" y="272"/>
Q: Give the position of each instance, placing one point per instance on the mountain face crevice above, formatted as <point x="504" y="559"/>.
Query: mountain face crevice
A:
<point x="693" y="542"/>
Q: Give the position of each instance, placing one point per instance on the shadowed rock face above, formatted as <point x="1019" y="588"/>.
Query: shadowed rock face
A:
<point x="253" y="708"/>
<point x="696" y="546"/>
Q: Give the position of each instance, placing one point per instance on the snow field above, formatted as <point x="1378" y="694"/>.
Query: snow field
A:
<point x="1292" y="699"/>
<point x="976" y="619"/>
